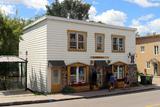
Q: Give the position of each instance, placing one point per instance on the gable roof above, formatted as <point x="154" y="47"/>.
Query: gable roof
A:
<point x="78" y="22"/>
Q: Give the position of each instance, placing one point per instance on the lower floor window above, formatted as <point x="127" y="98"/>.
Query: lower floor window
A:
<point x="100" y="76"/>
<point x="119" y="71"/>
<point x="77" y="75"/>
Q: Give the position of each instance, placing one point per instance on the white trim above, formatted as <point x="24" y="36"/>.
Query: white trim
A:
<point x="78" y="22"/>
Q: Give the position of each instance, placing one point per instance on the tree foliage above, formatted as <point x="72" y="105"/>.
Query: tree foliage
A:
<point x="10" y="34"/>
<point x="74" y="9"/>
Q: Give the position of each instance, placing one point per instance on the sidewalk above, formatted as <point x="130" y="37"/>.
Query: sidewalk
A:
<point x="29" y="98"/>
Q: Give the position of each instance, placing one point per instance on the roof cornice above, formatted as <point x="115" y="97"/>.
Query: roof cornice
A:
<point x="78" y="22"/>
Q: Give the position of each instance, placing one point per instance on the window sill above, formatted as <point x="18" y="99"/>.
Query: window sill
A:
<point x="77" y="50"/>
<point x="99" y="51"/>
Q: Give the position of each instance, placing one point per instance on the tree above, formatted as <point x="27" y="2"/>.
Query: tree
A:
<point x="10" y="34"/>
<point x="74" y="9"/>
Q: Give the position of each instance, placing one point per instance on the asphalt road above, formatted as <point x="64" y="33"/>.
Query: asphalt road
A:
<point x="143" y="99"/>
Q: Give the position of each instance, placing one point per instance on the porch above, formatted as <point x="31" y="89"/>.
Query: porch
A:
<point x="81" y="77"/>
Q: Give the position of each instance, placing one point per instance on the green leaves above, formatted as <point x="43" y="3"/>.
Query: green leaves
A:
<point x="74" y="9"/>
<point x="10" y="31"/>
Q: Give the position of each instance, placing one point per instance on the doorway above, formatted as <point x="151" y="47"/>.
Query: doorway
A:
<point x="155" y="65"/>
<point x="56" y="80"/>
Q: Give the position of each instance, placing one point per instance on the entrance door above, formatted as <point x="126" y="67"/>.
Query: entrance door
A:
<point x="100" y="77"/>
<point x="56" y="80"/>
<point x="155" y="69"/>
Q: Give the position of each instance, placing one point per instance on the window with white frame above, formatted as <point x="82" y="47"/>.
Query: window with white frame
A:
<point x="142" y="49"/>
<point x="99" y="42"/>
<point x="118" y="44"/>
<point x="77" y="75"/>
<point x="148" y="64"/>
<point x="156" y="50"/>
<point x="119" y="71"/>
<point x="77" y="41"/>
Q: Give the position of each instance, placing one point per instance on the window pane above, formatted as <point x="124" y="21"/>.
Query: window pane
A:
<point x="99" y="42"/>
<point x="99" y="47"/>
<point x="81" y="74"/>
<point x="73" y="37"/>
<point x="73" y="43"/>
<point x="56" y="77"/>
<point x="73" y="75"/>
<point x="121" y="44"/>
<point x="80" y="45"/>
<point x="121" y="72"/>
<point x="99" y="39"/>
<point x="142" y="48"/>
<point x="81" y="41"/>
<point x="115" y="44"/>
<point x="80" y="37"/>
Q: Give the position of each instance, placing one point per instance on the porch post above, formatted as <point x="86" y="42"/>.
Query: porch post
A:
<point x="21" y="73"/>
<point x="26" y="75"/>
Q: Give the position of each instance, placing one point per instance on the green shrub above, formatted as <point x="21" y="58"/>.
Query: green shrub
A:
<point x="68" y="89"/>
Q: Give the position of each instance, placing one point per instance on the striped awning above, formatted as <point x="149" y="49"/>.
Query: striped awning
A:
<point x="11" y="59"/>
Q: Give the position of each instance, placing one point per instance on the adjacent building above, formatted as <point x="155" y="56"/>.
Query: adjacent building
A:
<point x="63" y="52"/>
<point x="148" y="54"/>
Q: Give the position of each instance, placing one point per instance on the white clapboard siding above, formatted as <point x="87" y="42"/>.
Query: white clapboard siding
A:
<point x="46" y="39"/>
<point x="57" y="42"/>
<point x="34" y="41"/>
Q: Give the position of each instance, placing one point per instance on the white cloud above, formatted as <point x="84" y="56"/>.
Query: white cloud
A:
<point x="146" y="17"/>
<point x="146" y="26"/>
<point x="145" y="3"/>
<point x="92" y="13"/>
<point x="113" y="17"/>
<point x="7" y="9"/>
<point x="61" y="1"/>
<point x="36" y="4"/>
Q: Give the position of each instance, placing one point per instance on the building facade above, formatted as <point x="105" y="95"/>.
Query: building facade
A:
<point x="147" y="54"/>
<point x="63" y="52"/>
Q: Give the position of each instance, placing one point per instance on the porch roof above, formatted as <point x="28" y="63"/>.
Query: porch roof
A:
<point x="100" y="63"/>
<point x="10" y="59"/>
<point x="57" y="63"/>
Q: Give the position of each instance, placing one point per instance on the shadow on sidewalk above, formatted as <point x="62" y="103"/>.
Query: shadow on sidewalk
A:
<point x="14" y="92"/>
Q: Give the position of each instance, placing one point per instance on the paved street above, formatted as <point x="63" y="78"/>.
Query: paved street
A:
<point x="143" y="99"/>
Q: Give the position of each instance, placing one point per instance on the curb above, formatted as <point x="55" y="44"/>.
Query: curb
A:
<point x="65" y="99"/>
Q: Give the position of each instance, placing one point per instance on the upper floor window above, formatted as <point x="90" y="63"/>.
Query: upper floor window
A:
<point x="156" y="50"/>
<point x="118" y="44"/>
<point x="77" y="41"/>
<point x="142" y="49"/>
<point x="148" y="64"/>
<point x="99" y="45"/>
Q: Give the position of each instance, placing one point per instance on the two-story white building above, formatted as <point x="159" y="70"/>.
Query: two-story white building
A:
<point x="62" y="52"/>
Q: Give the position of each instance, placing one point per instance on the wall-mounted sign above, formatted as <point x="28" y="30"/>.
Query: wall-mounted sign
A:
<point x="99" y="57"/>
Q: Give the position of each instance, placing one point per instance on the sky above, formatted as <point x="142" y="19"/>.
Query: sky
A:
<point x="141" y="14"/>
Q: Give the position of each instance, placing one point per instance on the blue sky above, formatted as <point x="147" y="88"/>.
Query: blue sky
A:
<point x="141" y="14"/>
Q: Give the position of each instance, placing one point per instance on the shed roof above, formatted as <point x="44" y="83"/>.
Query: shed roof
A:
<point x="100" y="63"/>
<point x="11" y="59"/>
<point x="57" y="63"/>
